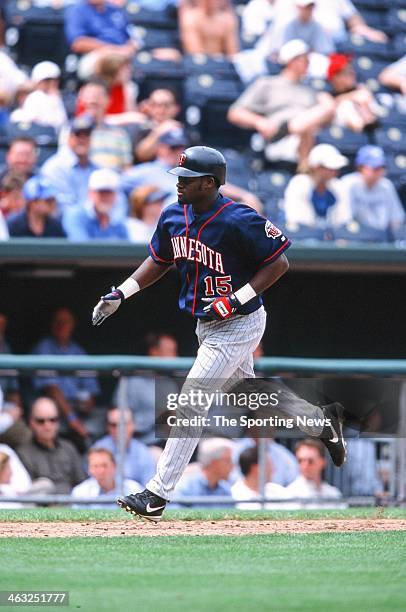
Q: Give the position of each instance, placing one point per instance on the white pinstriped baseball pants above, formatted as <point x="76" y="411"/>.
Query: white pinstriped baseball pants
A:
<point x="225" y="354"/>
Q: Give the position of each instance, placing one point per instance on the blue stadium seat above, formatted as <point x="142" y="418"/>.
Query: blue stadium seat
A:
<point x="304" y="233"/>
<point x="358" y="45"/>
<point x="375" y="18"/>
<point x="368" y="70"/>
<point x="218" y="67"/>
<point x="346" y="141"/>
<point x="164" y="19"/>
<point x="270" y="188"/>
<point x="396" y="19"/>
<point x="372" y="5"/>
<point x="239" y="170"/>
<point x="36" y="33"/>
<point x="399" y="44"/>
<point x="392" y="117"/>
<point x="391" y="139"/>
<point x="157" y="37"/>
<point x="44" y="136"/>
<point x="150" y="73"/>
<point x="355" y="232"/>
<point x="396" y="172"/>
<point x="399" y="236"/>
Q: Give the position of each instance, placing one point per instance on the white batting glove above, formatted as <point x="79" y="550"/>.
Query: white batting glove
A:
<point x="107" y="306"/>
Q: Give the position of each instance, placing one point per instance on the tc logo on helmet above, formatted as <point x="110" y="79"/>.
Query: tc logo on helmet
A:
<point x="271" y="230"/>
<point x="182" y="159"/>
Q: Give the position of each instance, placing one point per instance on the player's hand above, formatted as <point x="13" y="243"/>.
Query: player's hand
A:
<point x="107" y="306"/>
<point x="221" y="308"/>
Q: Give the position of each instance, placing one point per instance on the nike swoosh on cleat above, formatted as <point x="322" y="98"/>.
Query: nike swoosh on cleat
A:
<point x="149" y="509"/>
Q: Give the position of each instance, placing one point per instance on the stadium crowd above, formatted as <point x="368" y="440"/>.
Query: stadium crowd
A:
<point x="306" y="99"/>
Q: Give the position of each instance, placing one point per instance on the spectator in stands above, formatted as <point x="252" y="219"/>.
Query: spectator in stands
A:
<point x="48" y="455"/>
<point x="6" y="489"/>
<point x="212" y="479"/>
<point x="11" y="193"/>
<point x="394" y="75"/>
<point x="146" y="205"/>
<point x="170" y="146"/>
<point x="278" y="106"/>
<point x="37" y="219"/>
<point x="4" y="235"/>
<point x="139" y="463"/>
<point x="284" y="465"/>
<point x="256" y="18"/>
<point x="356" y="107"/>
<point x="21" y="158"/>
<point x="311" y="457"/>
<point x="20" y="480"/>
<point x="96" y="28"/>
<point x="161" y="109"/>
<point x="75" y="396"/>
<point x="317" y="199"/>
<point x="11" y="76"/>
<point x="209" y="27"/>
<point x="110" y="146"/>
<point x="70" y="168"/>
<point x="374" y="200"/>
<point x="248" y="487"/>
<point x="302" y="27"/>
<point x="115" y="70"/>
<point x="337" y="17"/>
<point x="44" y="106"/>
<point x="103" y="480"/>
<point x="96" y="220"/>
<point x="143" y="394"/>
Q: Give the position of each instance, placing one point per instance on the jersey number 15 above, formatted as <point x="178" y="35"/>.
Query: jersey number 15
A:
<point x="220" y="285"/>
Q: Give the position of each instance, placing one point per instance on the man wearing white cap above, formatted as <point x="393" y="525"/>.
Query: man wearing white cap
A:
<point x="95" y="221"/>
<point x="43" y="106"/>
<point x="317" y="199"/>
<point x="278" y="106"/>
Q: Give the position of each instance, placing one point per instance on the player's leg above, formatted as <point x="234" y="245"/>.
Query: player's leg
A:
<point x="225" y="346"/>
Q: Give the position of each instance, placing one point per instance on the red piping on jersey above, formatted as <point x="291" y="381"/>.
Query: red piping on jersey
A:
<point x="159" y="258"/>
<point x="187" y="232"/>
<point x="198" y="238"/>
<point x="281" y="248"/>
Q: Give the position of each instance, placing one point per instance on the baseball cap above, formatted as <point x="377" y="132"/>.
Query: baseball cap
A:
<point x="174" y="138"/>
<point x="104" y="179"/>
<point x="371" y="156"/>
<point x="84" y="123"/>
<point x="38" y="188"/>
<point x="337" y="62"/>
<point x="156" y="196"/>
<point x="291" y="50"/>
<point x="327" y="156"/>
<point x="45" y="70"/>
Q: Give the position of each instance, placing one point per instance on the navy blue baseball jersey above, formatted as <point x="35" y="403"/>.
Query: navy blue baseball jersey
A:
<point x="216" y="252"/>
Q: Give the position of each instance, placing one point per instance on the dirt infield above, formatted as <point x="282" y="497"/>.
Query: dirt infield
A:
<point x="61" y="529"/>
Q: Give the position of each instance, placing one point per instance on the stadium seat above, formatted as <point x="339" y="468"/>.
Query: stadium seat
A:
<point x="270" y="188"/>
<point x="399" y="236"/>
<point x="346" y="141"/>
<point x="391" y="139"/>
<point x="150" y="73"/>
<point x="36" y="33"/>
<point x="355" y="232"/>
<point x="396" y="19"/>
<point x="218" y="67"/>
<point x="375" y="18"/>
<point x="165" y="19"/>
<point x="368" y="70"/>
<point x="207" y="100"/>
<point x="153" y="38"/>
<point x="239" y="170"/>
<point x="372" y="5"/>
<point x="399" y="44"/>
<point x="358" y="45"/>
<point x="396" y="172"/>
<point x="304" y="233"/>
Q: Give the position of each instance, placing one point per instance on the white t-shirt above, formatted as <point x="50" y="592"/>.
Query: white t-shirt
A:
<point x="307" y="489"/>
<point x="241" y="491"/>
<point x="42" y="108"/>
<point x="3" y="228"/>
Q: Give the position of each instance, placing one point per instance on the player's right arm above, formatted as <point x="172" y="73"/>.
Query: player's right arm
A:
<point x="147" y="274"/>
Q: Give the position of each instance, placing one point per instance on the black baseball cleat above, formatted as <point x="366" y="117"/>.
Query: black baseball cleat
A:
<point x="332" y="435"/>
<point x="146" y="504"/>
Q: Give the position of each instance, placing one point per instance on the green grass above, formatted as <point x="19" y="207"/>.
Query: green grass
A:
<point x="68" y="514"/>
<point x="313" y="572"/>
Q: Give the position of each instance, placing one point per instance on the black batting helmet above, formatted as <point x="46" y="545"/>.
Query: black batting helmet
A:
<point x="201" y="161"/>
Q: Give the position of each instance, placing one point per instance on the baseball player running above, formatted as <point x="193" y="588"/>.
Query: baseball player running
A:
<point x="227" y="255"/>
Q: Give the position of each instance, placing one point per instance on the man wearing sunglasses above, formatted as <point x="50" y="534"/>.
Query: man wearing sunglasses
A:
<point x="47" y="455"/>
